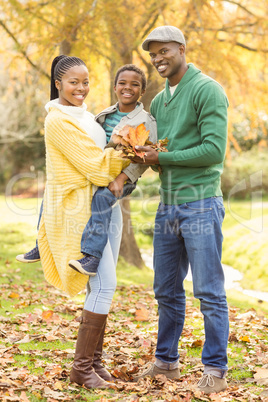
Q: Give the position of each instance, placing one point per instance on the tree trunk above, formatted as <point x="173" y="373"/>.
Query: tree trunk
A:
<point x="129" y="249"/>
<point x="65" y="47"/>
<point x="154" y="85"/>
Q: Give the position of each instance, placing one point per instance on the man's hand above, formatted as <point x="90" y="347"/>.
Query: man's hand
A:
<point x="116" y="186"/>
<point x="150" y="156"/>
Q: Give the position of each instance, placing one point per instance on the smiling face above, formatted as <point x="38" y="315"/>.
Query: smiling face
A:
<point x="169" y="60"/>
<point x="74" y="86"/>
<point x="128" y="90"/>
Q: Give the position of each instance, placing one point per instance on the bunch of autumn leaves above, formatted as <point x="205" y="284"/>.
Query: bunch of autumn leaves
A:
<point x="128" y="137"/>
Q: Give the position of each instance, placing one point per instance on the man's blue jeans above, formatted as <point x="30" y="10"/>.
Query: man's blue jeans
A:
<point x="95" y="234"/>
<point x="190" y="234"/>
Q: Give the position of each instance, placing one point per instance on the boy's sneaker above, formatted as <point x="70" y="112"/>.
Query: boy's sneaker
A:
<point x="153" y="370"/>
<point x="209" y="384"/>
<point x="31" y="256"/>
<point x="87" y="265"/>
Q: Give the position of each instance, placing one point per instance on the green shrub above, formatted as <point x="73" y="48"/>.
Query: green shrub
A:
<point x="148" y="186"/>
<point x="244" y="174"/>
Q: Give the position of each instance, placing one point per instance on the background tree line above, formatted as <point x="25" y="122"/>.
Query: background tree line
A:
<point x="225" y="39"/>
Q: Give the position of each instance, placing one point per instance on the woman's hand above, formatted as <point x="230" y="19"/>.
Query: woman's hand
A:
<point x="116" y="186"/>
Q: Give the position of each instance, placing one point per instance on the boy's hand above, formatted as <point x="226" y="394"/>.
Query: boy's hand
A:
<point x="116" y="186"/>
<point x="150" y="156"/>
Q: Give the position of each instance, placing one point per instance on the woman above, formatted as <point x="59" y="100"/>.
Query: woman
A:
<point x="76" y="164"/>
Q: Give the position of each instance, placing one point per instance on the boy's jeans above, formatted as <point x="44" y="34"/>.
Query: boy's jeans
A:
<point x="95" y="234"/>
<point x="190" y="233"/>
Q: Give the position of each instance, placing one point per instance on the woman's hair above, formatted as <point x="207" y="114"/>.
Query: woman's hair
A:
<point x="60" y="65"/>
<point x="132" y="67"/>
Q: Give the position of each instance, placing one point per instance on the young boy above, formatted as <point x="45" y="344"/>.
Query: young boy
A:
<point x="129" y="86"/>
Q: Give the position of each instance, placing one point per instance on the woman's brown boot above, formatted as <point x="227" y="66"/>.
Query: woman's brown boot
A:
<point x="97" y="363"/>
<point x="89" y="333"/>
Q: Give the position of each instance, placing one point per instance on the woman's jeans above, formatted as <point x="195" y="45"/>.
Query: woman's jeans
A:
<point x="190" y="234"/>
<point x="101" y="288"/>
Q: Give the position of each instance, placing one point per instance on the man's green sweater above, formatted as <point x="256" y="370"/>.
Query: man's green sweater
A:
<point x="194" y="120"/>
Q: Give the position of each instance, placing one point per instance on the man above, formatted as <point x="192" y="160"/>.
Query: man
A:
<point x="192" y="113"/>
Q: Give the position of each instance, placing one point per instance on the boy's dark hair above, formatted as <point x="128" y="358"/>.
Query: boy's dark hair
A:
<point x="132" y="67"/>
<point x="60" y="65"/>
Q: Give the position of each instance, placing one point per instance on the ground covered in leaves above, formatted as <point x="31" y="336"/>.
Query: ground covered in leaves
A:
<point x="38" y="329"/>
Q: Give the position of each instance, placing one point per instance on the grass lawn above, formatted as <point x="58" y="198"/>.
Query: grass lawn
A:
<point x="245" y="230"/>
<point x="245" y="238"/>
<point x="38" y="326"/>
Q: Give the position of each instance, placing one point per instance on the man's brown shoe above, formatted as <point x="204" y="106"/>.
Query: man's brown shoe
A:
<point x="209" y="384"/>
<point x="153" y="370"/>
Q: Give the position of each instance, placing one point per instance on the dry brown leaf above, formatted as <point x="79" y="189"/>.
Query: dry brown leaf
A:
<point x="142" y="314"/>
<point x="129" y="347"/>
<point x="261" y="376"/>
<point x="244" y="338"/>
<point x="14" y="295"/>
<point x="58" y="386"/>
<point x="47" y="315"/>
<point x="138" y="135"/>
<point x="197" y="343"/>
<point x="53" y="394"/>
<point x="116" y="138"/>
<point x="128" y="137"/>
<point x="23" y="397"/>
<point x="53" y="371"/>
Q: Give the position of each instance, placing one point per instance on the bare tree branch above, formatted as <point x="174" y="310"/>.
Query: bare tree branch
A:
<point x="151" y="25"/>
<point x="249" y="48"/>
<point x="145" y="62"/>
<point x="84" y="16"/>
<point x="22" y="51"/>
<point x="242" y="7"/>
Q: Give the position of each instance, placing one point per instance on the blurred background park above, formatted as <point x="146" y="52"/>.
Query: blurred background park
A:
<point x="228" y="40"/>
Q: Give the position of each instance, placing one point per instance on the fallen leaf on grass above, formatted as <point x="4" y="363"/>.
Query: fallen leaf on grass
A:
<point x="263" y="347"/>
<point x="51" y="338"/>
<point x="14" y="295"/>
<point x="47" y="315"/>
<point x="248" y="316"/>
<point x="37" y="394"/>
<point x="264" y="394"/>
<point x="144" y="343"/>
<point x="200" y="395"/>
<point x="24" y="327"/>
<point x="142" y="314"/>
<point x="261" y="376"/>
<point x="53" y="394"/>
<point x="121" y="373"/>
<point x="5" y="361"/>
<point x="244" y="338"/>
<point x="23" y="397"/>
<point x="129" y="347"/>
<point x="28" y="338"/>
<point x="53" y="371"/>
<point x="31" y="317"/>
<point x="197" y="343"/>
